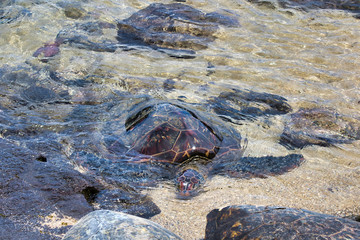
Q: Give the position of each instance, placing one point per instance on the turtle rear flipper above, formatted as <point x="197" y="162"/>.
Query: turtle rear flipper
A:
<point x="249" y="167"/>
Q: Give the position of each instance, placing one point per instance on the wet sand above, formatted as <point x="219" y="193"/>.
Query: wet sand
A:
<point x="334" y="191"/>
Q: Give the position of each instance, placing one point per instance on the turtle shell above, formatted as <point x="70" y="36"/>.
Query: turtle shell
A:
<point x="169" y="133"/>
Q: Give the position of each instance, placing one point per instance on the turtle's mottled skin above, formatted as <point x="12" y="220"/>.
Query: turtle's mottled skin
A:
<point x="251" y="222"/>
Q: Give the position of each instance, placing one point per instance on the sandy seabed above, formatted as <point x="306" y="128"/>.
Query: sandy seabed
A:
<point x="328" y="186"/>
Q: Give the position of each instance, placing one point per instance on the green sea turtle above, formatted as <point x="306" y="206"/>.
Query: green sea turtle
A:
<point x="172" y="140"/>
<point x="251" y="222"/>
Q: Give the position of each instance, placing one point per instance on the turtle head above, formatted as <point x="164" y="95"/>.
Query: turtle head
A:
<point x="188" y="183"/>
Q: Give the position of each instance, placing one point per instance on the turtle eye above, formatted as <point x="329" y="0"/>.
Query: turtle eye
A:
<point x="132" y="121"/>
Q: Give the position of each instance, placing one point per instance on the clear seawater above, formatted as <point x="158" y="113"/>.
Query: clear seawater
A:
<point x="312" y="58"/>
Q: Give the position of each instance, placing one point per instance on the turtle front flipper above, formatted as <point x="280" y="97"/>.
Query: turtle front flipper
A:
<point x="249" y="167"/>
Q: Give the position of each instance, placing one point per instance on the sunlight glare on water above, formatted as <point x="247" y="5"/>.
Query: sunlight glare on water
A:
<point x="311" y="58"/>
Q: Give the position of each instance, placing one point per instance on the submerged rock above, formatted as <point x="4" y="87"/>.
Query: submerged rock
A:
<point x="319" y="126"/>
<point x="250" y="222"/>
<point x="47" y="51"/>
<point x="347" y="5"/>
<point x="72" y="9"/>
<point x="104" y="224"/>
<point x="89" y="35"/>
<point x="41" y="192"/>
<point x="176" y="29"/>
<point x="238" y="105"/>
<point x="38" y="94"/>
<point x="10" y="14"/>
<point x="175" y="25"/>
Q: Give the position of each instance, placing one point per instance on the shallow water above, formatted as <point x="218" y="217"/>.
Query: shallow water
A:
<point x="310" y="58"/>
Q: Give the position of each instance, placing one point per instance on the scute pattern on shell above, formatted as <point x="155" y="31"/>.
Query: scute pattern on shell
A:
<point x="170" y="133"/>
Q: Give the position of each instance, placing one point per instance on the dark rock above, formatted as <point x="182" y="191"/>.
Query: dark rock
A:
<point x="175" y="29"/>
<point x="306" y="5"/>
<point x="319" y="126"/>
<point x="106" y="224"/>
<point x="47" y="51"/>
<point x="175" y="25"/>
<point x="88" y="35"/>
<point x="38" y="94"/>
<point x="348" y="5"/>
<point x="74" y="12"/>
<point x="239" y="105"/>
<point x="16" y="76"/>
<point x="250" y="222"/>
<point x="72" y="9"/>
<point x="127" y="202"/>
<point x="169" y="85"/>
<point x="31" y="191"/>
<point x="35" y="192"/>
<point x="12" y="14"/>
